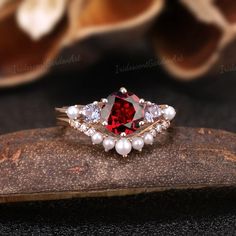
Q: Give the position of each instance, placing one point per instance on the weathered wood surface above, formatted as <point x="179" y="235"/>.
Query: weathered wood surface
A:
<point x="58" y="163"/>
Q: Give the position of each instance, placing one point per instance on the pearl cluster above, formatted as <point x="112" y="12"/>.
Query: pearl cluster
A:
<point x="122" y="145"/>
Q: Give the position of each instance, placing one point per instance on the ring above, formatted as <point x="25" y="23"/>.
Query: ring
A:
<point x="121" y="121"/>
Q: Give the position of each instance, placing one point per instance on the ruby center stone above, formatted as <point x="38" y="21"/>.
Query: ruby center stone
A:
<point x="122" y="113"/>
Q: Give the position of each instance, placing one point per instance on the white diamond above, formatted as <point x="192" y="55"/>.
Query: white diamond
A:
<point x="91" y="113"/>
<point x="165" y="124"/>
<point x="90" y="132"/>
<point x="153" y="132"/>
<point x="83" y="128"/>
<point x="158" y="128"/>
<point x="152" y="112"/>
<point x="75" y="124"/>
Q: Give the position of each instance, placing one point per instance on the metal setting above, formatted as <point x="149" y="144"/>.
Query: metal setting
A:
<point x="87" y="119"/>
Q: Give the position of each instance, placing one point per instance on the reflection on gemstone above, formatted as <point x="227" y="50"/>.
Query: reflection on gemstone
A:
<point x="91" y="113"/>
<point x="152" y="112"/>
<point x="122" y="113"/>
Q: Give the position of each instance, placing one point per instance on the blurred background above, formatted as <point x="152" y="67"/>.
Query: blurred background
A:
<point x="55" y="53"/>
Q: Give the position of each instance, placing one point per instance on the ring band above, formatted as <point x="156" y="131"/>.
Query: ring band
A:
<point x="121" y="121"/>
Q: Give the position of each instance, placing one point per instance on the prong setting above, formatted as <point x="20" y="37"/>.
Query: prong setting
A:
<point x="104" y="123"/>
<point x="104" y="101"/>
<point x="141" y="101"/>
<point x="123" y="90"/>
<point x="141" y="123"/>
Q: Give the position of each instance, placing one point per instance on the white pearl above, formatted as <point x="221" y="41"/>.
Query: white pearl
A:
<point x="108" y="143"/>
<point x="97" y="138"/>
<point x="123" y="146"/>
<point x="148" y="138"/>
<point x="72" y="112"/>
<point x="169" y="113"/>
<point x="137" y="143"/>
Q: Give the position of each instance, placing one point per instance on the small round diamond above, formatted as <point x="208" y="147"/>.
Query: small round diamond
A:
<point x="158" y="128"/>
<point x="152" y="112"/>
<point x="153" y="132"/>
<point x="91" y="112"/>
<point x="83" y="128"/>
<point x="90" y="132"/>
<point x="165" y="124"/>
<point x="75" y="124"/>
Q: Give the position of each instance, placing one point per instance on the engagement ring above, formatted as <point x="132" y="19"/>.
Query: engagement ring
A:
<point x="121" y="121"/>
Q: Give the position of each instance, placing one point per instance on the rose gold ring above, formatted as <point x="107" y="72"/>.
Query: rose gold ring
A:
<point x="121" y="121"/>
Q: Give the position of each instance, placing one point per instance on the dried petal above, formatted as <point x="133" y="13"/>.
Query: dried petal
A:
<point x="3" y="2"/>
<point x="38" y="18"/>
<point x="204" y="10"/>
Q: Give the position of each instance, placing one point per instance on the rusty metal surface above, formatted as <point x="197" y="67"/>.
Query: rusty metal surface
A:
<point x="57" y="163"/>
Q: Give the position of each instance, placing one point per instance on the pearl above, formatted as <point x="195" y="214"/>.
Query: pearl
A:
<point x="137" y="143"/>
<point x="123" y="147"/>
<point x="108" y="143"/>
<point x="90" y="132"/>
<point x="97" y="138"/>
<point x="148" y="138"/>
<point x="169" y="113"/>
<point x="72" y="112"/>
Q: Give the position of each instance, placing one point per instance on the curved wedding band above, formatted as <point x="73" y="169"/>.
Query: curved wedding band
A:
<point x="121" y="121"/>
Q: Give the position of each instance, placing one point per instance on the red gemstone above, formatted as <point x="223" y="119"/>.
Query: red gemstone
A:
<point x="122" y="113"/>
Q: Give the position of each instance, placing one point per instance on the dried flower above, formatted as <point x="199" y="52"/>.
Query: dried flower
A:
<point x="38" y="18"/>
<point x="3" y="2"/>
